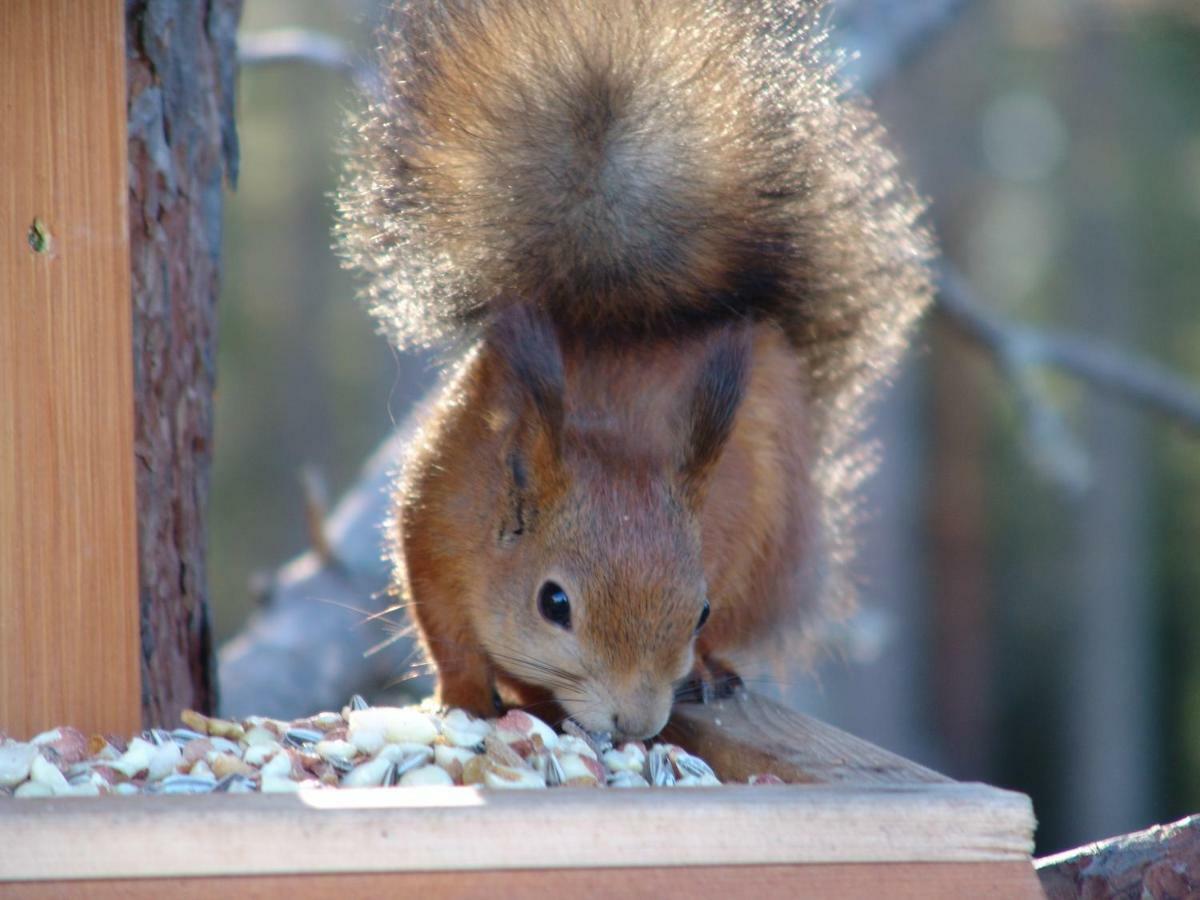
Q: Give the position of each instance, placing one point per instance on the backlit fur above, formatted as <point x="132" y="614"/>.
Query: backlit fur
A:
<point x="647" y="177"/>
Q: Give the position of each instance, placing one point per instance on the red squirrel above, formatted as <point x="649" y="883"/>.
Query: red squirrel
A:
<point x="672" y="258"/>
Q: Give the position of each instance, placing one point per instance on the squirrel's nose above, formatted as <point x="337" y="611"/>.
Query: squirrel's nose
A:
<point x="638" y="727"/>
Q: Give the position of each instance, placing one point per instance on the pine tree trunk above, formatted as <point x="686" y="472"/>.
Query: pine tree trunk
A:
<point x="181" y="67"/>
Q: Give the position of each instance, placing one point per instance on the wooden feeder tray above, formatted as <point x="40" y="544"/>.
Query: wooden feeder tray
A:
<point x="853" y="820"/>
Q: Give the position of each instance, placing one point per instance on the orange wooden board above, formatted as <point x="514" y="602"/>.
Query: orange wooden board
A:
<point x="68" y="564"/>
<point x="896" y="881"/>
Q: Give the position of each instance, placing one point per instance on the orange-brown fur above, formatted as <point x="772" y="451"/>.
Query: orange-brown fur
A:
<point x="612" y="523"/>
<point x="678" y="258"/>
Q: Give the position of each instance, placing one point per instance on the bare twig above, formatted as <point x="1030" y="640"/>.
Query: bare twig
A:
<point x="1136" y="380"/>
<point x="300" y="46"/>
<point x="316" y="510"/>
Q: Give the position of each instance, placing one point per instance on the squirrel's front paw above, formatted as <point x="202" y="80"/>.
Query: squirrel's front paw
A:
<point x="711" y="679"/>
<point x="480" y="700"/>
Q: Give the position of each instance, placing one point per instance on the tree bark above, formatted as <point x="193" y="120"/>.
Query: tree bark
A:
<point x="1160" y="862"/>
<point x="181" y="66"/>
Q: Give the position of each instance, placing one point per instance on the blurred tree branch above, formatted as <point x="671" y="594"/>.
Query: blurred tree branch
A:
<point x="1140" y="381"/>
<point x="1019" y="351"/>
<point x="302" y="46"/>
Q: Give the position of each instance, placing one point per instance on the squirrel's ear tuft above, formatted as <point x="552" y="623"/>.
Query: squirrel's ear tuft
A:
<point x="714" y="404"/>
<point x="524" y="340"/>
<point x="526" y="345"/>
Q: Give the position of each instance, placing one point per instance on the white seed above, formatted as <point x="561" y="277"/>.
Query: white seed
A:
<point x="33" y="789"/>
<point x="47" y="774"/>
<point x="425" y="775"/>
<point x="399" y="725"/>
<point x="257" y="736"/>
<point x="136" y="759"/>
<point x="46" y="737"/>
<point x="621" y="761"/>
<point x="401" y="752"/>
<point x="163" y="762"/>
<point x="369" y="774"/>
<point x="511" y="777"/>
<point x="578" y="769"/>
<point x="15" y="760"/>
<point x="125" y="789"/>
<point x="568" y="743"/>
<point x="463" y="730"/>
<point x="327" y="721"/>
<point x="339" y="750"/>
<point x="516" y="726"/>
<point x="259" y="754"/>
<point x="445" y="755"/>
<point x="635" y="750"/>
<point x="202" y="770"/>
<point x="368" y="740"/>
<point x="545" y="732"/>
<point x="279" y="765"/>
<point x="627" y="780"/>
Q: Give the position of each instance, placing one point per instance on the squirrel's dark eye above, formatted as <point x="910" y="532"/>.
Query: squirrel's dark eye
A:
<point x="703" y="616"/>
<point x="554" y="605"/>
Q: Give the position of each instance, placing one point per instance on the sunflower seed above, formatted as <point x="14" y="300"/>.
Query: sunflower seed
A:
<point x="298" y="737"/>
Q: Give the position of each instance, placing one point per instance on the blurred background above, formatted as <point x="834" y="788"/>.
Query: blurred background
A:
<point x="1030" y="563"/>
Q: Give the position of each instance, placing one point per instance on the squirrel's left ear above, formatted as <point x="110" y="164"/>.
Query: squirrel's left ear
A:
<point x="525" y="343"/>
<point x="714" y="404"/>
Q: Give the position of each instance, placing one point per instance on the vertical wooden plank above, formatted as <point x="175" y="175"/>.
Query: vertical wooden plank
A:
<point x="68" y="571"/>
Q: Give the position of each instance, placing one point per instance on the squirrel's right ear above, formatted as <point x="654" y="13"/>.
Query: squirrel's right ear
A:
<point x="526" y="346"/>
<point x="714" y="404"/>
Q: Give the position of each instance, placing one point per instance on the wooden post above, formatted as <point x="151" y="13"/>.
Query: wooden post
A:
<point x="68" y="558"/>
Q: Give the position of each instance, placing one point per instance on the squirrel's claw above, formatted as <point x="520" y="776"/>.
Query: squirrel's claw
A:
<point x="711" y="679"/>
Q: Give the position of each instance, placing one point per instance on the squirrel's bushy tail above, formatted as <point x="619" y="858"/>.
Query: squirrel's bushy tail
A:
<point x="634" y="166"/>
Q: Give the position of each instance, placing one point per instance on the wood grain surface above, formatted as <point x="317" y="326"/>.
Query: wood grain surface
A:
<point x="423" y="829"/>
<point x="747" y="734"/>
<point x="68" y="579"/>
<point x="895" y="881"/>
